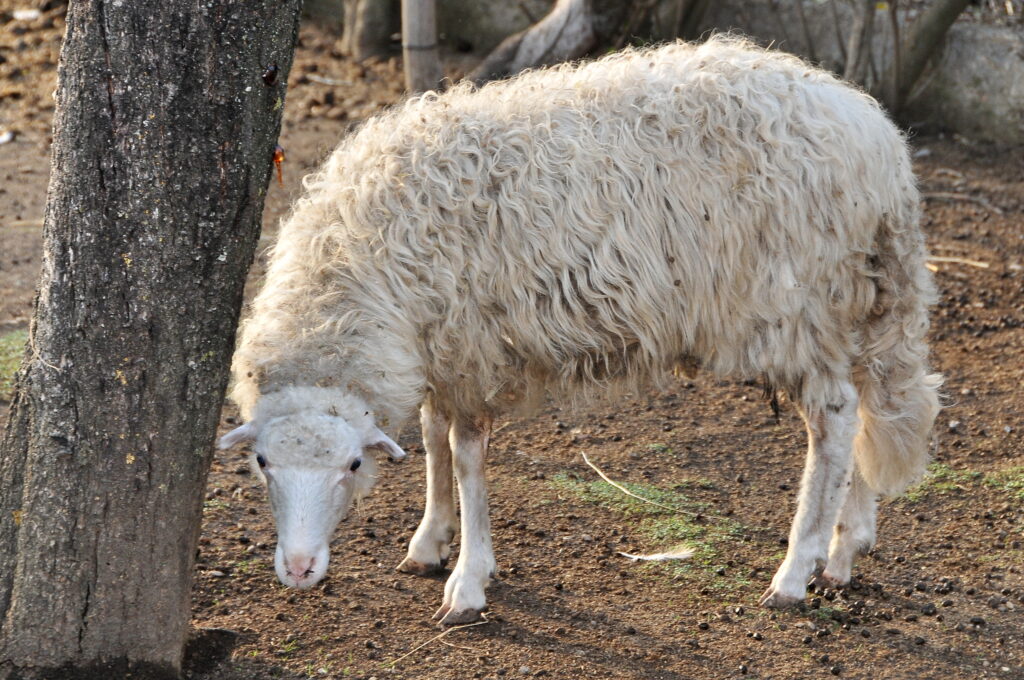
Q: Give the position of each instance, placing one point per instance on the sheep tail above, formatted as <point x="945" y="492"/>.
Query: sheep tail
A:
<point x="899" y="397"/>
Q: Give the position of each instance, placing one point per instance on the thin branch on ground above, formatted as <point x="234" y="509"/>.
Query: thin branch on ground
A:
<point x="627" y="491"/>
<point x="958" y="260"/>
<point x="417" y="648"/>
<point x="953" y="196"/>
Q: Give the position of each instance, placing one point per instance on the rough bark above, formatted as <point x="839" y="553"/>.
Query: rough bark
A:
<point x="420" y="57"/>
<point x="167" y="116"/>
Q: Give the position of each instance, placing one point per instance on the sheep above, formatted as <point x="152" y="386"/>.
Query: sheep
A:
<point x="577" y="231"/>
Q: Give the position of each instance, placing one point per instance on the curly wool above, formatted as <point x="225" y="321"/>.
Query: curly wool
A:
<point x="590" y="226"/>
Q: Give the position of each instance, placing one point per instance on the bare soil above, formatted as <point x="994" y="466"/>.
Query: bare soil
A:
<point x="940" y="597"/>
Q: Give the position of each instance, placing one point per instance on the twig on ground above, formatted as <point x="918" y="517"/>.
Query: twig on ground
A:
<point x="324" y="80"/>
<point x="417" y="648"/>
<point x="624" y="489"/>
<point x="952" y="196"/>
<point x="620" y="487"/>
<point x="958" y="260"/>
<point x="468" y="649"/>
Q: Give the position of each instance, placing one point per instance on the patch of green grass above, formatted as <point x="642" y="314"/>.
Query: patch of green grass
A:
<point x="12" y="347"/>
<point x="667" y="526"/>
<point x="214" y="504"/>
<point x="1010" y="480"/>
<point x="942" y="479"/>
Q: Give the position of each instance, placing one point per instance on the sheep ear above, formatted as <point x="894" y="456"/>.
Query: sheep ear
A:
<point x="242" y="433"/>
<point x="379" y="440"/>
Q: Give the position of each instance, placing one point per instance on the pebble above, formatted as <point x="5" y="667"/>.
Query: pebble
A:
<point x="524" y="670"/>
<point x="929" y="609"/>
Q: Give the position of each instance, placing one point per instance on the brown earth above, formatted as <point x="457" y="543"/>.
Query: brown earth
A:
<point x="941" y="596"/>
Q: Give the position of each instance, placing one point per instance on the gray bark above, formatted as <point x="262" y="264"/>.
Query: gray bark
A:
<point x="571" y="29"/>
<point x="565" y="33"/>
<point x="167" y="116"/>
<point x="922" y="41"/>
<point x="420" y="56"/>
<point x="858" y="50"/>
<point x="368" y="28"/>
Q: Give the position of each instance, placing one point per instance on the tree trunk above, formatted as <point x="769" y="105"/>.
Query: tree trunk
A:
<point x="566" y="32"/>
<point x="368" y="28"/>
<point x="167" y="116"/>
<point x="921" y="41"/>
<point x="858" y="50"/>
<point x="420" y="57"/>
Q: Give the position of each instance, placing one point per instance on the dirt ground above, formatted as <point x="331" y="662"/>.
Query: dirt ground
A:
<point x="940" y="597"/>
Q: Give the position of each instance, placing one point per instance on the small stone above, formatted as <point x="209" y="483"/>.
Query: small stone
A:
<point x="929" y="609"/>
<point x="524" y="670"/>
<point x="835" y="670"/>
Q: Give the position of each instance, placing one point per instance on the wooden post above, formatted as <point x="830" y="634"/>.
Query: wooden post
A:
<point x="419" y="45"/>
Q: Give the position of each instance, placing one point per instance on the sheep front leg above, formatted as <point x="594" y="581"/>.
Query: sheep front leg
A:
<point x="430" y="545"/>
<point x="822" y="492"/>
<point x="464" y="597"/>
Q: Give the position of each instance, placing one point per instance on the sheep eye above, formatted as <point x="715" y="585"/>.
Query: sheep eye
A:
<point x="261" y="461"/>
<point x="355" y="464"/>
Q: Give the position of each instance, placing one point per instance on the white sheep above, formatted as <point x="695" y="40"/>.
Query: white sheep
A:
<point x="582" y="228"/>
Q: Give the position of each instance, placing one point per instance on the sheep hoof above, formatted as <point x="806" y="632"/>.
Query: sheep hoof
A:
<point x="776" y="599"/>
<point x="456" y="618"/>
<point x="827" y="580"/>
<point x="409" y="566"/>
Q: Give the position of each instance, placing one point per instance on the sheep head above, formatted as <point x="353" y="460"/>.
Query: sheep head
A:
<point x="315" y="466"/>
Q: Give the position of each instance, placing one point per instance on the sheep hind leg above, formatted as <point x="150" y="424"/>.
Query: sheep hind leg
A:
<point x="854" y="534"/>
<point x="823" y="490"/>
<point x="464" y="598"/>
<point x="431" y="544"/>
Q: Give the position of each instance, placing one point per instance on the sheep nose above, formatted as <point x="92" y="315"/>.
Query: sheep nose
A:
<point x="299" y="566"/>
